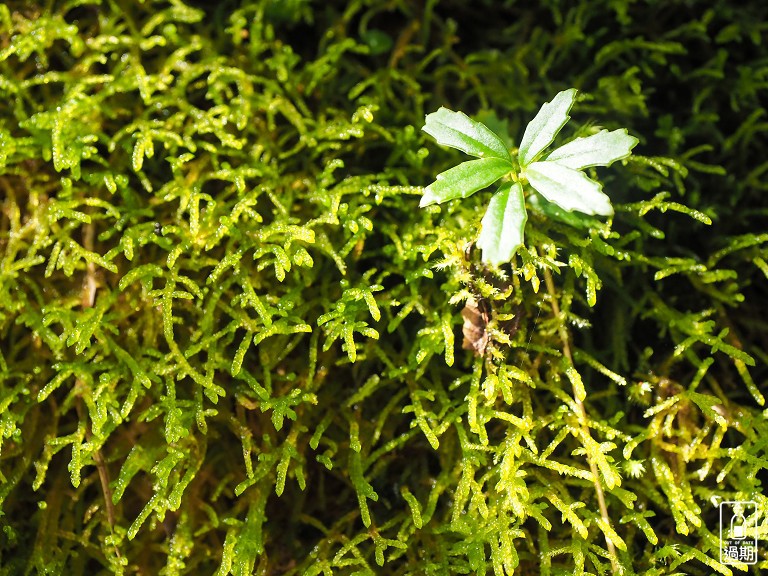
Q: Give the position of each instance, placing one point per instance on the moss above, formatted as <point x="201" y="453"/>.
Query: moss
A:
<point x="230" y="340"/>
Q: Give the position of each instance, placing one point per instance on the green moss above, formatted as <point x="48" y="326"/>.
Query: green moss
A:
<point x="230" y="340"/>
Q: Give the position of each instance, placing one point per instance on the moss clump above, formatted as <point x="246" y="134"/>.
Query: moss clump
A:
<point x="229" y="339"/>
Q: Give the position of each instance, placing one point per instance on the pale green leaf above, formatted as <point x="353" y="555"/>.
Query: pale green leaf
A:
<point x="575" y="219"/>
<point x="578" y="385"/>
<point x="457" y="130"/>
<point x="611" y="534"/>
<point x="601" y="149"/>
<point x="541" y="131"/>
<point x="708" y="404"/>
<point x="503" y="224"/>
<point x="464" y="180"/>
<point x="414" y="505"/>
<point x="569" y="189"/>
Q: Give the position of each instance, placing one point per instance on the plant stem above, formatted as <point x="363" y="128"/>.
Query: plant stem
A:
<point x="88" y="299"/>
<point x="564" y="337"/>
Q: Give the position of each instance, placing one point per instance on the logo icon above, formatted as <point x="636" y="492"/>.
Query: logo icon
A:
<point x="738" y="532"/>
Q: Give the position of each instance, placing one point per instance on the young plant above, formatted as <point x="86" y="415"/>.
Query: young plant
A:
<point x="556" y="176"/>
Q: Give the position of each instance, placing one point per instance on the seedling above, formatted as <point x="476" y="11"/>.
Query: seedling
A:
<point x="556" y="176"/>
